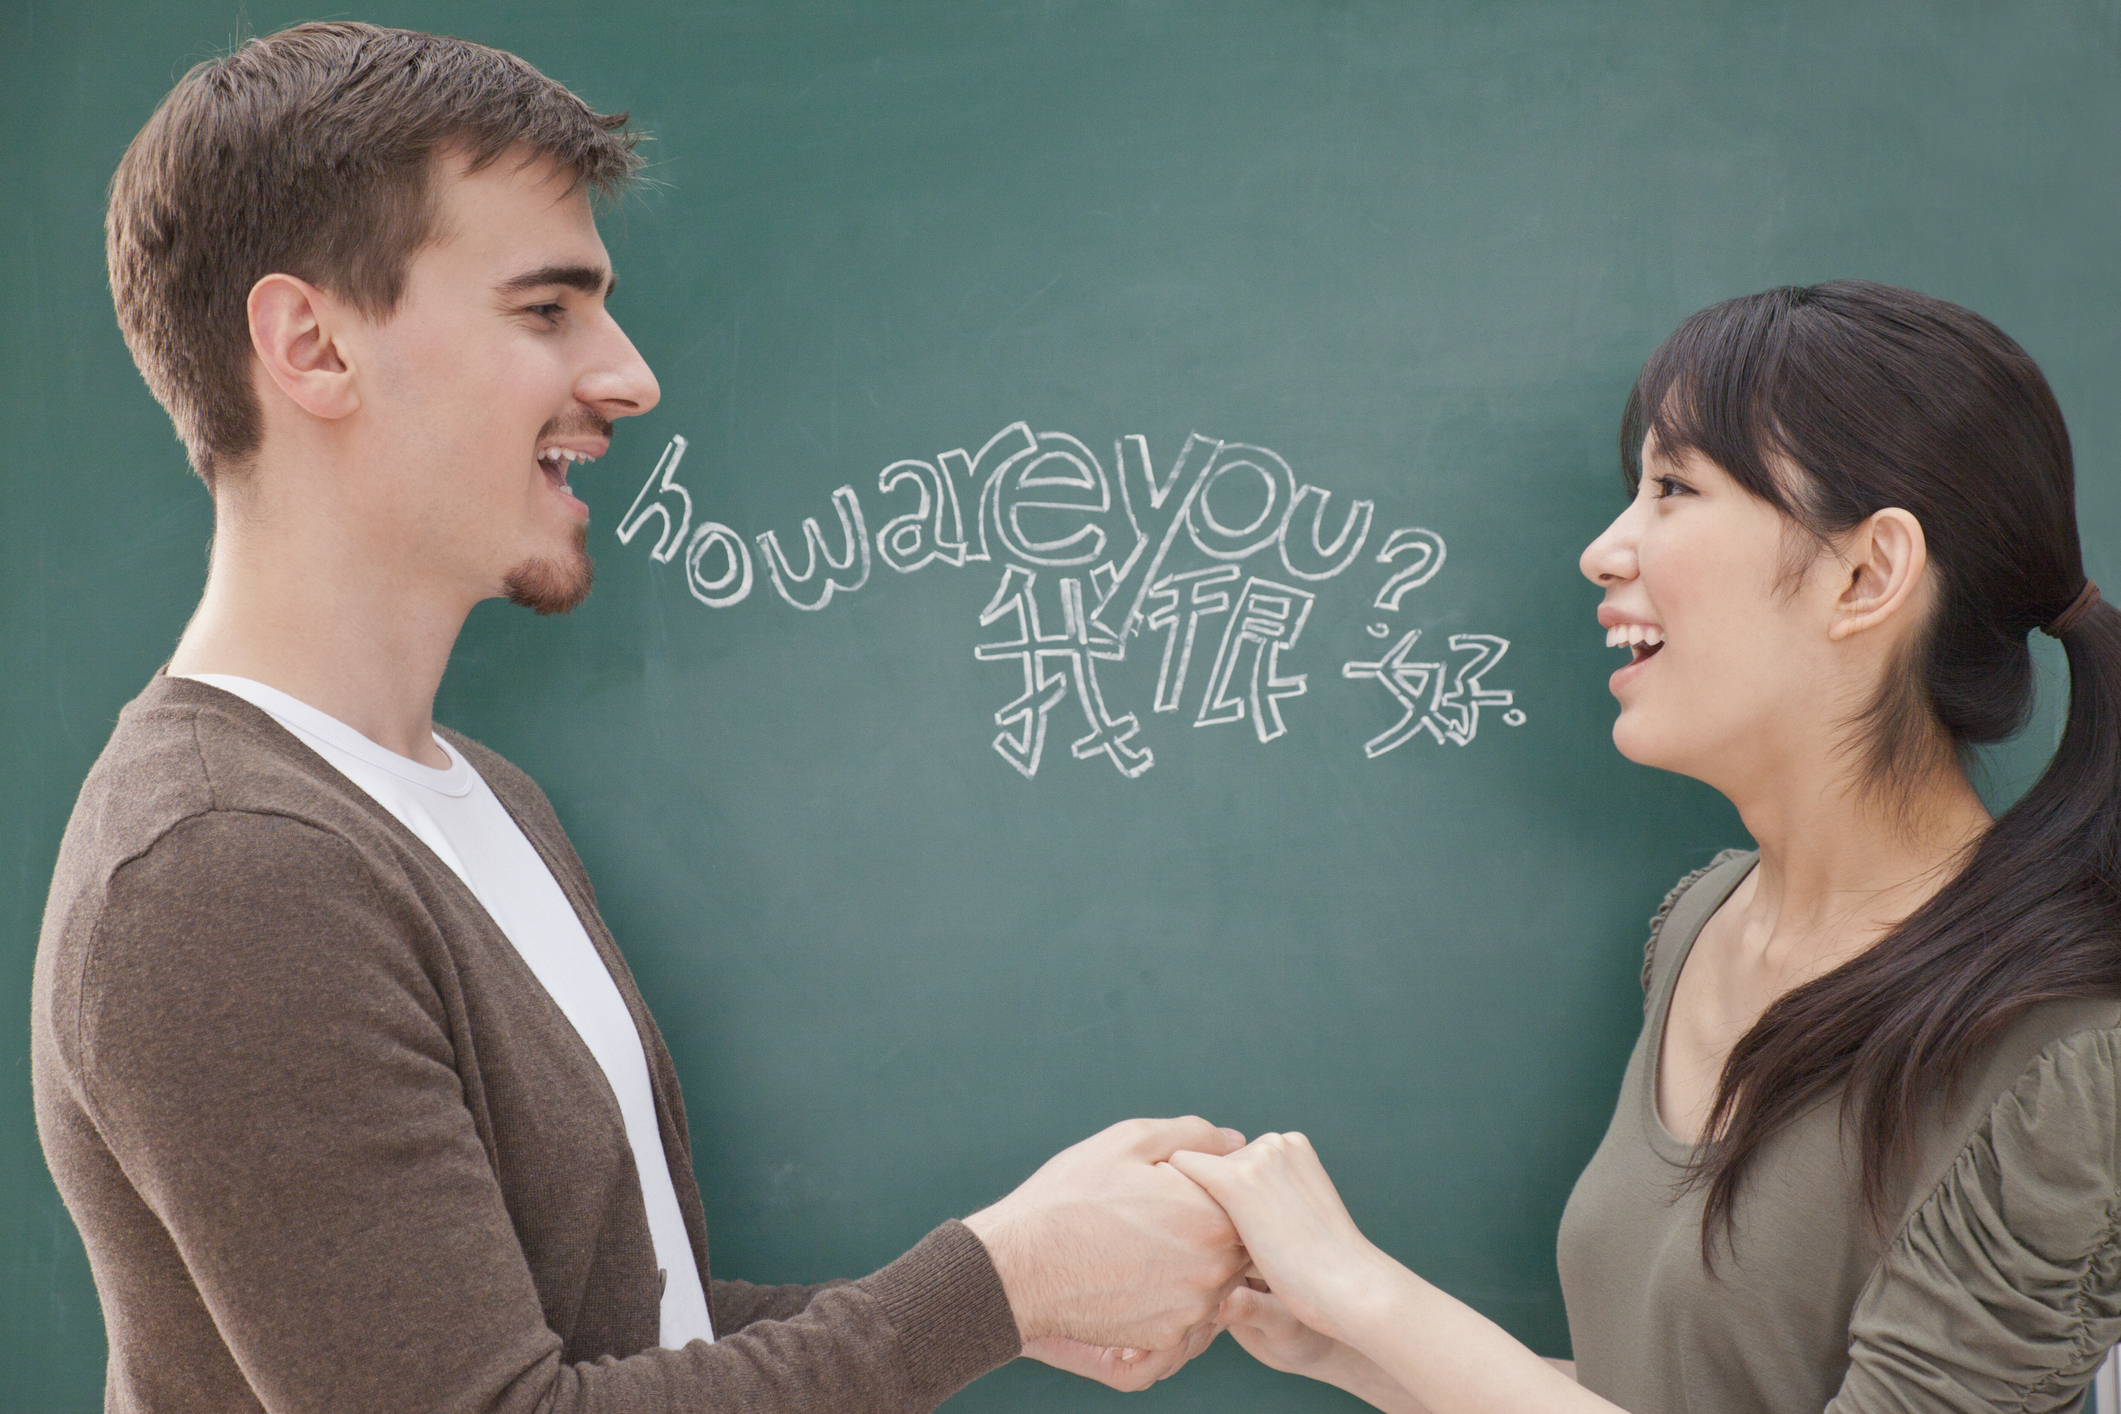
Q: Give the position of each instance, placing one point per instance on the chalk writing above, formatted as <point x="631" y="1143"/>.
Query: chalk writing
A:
<point x="1428" y="550"/>
<point x="1202" y="596"/>
<point x="654" y="500"/>
<point x="835" y="573"/>
<point x="1054" y="667"/>
<point x="1452" y="710"/>
<point x="1269" y="618"/>
<point x="1225" y="545"/>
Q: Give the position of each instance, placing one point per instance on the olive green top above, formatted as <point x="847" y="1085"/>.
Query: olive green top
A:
<point x="1997" y="1287"/>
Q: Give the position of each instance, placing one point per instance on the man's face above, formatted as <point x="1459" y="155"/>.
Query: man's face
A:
<point x="499" y="370"/>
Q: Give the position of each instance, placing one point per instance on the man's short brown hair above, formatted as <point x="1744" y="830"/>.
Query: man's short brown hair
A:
<point x="308" y="153"/>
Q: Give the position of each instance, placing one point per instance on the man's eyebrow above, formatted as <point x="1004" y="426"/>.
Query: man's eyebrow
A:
<point x="589" y="279"/>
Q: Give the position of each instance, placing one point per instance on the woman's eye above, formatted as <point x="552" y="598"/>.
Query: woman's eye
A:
<point x="1668" y="486"/>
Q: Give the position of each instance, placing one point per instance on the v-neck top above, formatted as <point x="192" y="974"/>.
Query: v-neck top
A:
<point x="1998" y="1286"/>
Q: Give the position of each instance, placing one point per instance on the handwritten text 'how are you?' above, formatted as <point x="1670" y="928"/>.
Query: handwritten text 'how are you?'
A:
<point x="1215" y="565"/>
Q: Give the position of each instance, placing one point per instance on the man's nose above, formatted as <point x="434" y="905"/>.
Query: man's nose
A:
<point x="620" y="382"/>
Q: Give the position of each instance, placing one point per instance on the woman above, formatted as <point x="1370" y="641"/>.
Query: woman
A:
<point x="1866" y="1151"/>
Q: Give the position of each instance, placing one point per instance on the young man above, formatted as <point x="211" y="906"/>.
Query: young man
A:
<point x="340" y="1073"/>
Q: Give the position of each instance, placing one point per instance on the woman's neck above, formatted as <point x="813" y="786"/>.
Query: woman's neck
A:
<point x="1842" y="861"/>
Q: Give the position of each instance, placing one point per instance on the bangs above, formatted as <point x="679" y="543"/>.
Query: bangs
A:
<point x="1711" y="388"/>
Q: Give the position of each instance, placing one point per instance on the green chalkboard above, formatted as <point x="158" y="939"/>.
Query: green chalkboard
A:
<point x="1196" y="410"/>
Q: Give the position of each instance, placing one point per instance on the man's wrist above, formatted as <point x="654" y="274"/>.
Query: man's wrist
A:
<point x="1001" y="1232"/>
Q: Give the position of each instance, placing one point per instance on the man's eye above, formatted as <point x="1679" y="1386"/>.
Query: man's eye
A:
<point x="549" y="312"/>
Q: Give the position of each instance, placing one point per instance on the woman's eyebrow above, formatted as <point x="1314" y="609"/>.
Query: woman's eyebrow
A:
<point x="589" y="279"/>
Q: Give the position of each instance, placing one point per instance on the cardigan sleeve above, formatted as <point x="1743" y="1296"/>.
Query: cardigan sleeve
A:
<point x="270" y="1066"/>
<point x="2002" y="1290"/>
<point x="737" y="1304"/>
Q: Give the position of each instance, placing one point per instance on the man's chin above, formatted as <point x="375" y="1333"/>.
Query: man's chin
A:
<point x="552" y="586"/>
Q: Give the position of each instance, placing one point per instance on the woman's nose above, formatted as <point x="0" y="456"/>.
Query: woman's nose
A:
<point x="1610" y="559"/>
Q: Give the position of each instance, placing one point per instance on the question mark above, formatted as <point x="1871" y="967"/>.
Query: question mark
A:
<point x="1430" y="547"/>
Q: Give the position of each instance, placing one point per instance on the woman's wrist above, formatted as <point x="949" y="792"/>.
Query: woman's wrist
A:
<point x="1363" y="1292"/>
<point x="1434" y="1347"/>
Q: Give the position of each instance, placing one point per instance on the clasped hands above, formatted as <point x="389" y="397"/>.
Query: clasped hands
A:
<point x="1126" y="1255"/>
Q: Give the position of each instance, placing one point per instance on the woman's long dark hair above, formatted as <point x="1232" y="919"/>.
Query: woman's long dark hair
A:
<point x="1831" y="402"/>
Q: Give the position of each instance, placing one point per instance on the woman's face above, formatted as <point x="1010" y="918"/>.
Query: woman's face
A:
<point x="1729" y="665"/>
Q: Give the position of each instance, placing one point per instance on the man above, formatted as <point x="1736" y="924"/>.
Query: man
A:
<point x="340" y="1073"/>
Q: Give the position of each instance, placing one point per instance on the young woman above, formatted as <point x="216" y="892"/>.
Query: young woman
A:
<point x="1867" y="1153"/>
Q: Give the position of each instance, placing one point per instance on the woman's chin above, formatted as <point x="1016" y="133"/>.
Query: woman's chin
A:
<point x="1642" y="743"/>
<point x="1688" y="754"/>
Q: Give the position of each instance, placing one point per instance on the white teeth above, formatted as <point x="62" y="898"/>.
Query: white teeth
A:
<point x="1615" y="636"/>
<point x="556" y="454"/>
<point x="1628" y="635"/>
<point x="1653" y="635"/>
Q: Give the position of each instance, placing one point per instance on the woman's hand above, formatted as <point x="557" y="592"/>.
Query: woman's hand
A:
<point x="1257" y="1320"/>
<point x="1271" y="1335"/>
<point x="1292" y="1222"/>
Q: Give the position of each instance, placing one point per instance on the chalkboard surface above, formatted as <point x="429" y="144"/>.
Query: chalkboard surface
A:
<point x="1093" y="626"/>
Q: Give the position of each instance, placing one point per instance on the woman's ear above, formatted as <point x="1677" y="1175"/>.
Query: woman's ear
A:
<point x="294" y="330"/>
<point x="1882" y="561"/>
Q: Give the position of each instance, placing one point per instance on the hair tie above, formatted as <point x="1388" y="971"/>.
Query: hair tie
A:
<point x="2072" y="616"/>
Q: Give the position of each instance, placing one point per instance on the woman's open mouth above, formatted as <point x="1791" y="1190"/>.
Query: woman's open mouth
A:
<point x="1641" y="640"/>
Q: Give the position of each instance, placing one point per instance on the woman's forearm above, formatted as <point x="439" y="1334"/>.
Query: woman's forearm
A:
<point x="1338" y="1284"/>
<point x="1364" y="1378"/>
<point x="1444" y="1354"/>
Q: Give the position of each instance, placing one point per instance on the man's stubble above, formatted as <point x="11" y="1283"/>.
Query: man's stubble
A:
<point x="553" y="586"/>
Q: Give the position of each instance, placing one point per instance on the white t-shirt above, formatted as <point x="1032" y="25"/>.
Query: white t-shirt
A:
<point x="456" y="814"/>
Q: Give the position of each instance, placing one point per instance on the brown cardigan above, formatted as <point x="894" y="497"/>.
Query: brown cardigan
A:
<point x="331" y="1145"/>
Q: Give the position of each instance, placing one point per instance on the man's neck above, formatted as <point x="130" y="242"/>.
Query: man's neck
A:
<point x="327" y="624"/>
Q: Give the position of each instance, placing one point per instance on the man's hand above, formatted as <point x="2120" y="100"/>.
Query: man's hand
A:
<point x="1117" y="1366"/>
<point x="1108" y="1245"/>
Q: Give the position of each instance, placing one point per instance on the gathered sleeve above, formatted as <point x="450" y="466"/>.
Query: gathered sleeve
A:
<point x="2002" y="1290"/>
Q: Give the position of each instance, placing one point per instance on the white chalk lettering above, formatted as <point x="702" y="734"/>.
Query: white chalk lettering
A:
<point x="1129" y="552"/>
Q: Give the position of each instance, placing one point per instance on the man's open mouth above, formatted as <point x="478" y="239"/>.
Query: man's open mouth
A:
<point x="555" y="461"/>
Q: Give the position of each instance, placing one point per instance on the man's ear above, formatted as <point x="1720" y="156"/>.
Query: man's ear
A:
<point x="1882" y="561"/>
<point x="294" y="328"/>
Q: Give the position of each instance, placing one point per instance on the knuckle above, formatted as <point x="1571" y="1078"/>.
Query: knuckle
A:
<point x="1137" y="1133"/>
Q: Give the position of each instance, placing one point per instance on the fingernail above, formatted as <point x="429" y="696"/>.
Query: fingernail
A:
<point x="1232" y="1135"/>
